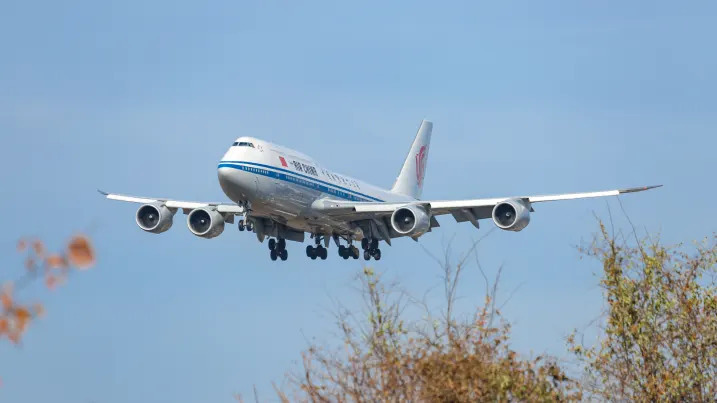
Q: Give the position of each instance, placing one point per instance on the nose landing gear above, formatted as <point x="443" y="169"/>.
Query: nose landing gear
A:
<point x="248" y="225"/>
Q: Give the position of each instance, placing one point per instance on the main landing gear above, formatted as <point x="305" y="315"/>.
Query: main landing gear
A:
<point x="348" y="251"/>
<point x="278" y="249"/>
<point x="317" y="251"/>
<point x="370" y="248"/>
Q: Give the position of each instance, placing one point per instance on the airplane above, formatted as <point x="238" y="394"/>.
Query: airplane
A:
<point x="281" y="194"/>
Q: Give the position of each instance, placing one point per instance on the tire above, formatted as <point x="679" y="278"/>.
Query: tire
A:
<point x="374" y="244"/>
<point x="366" y="255"/>
<point x="285" y="255"/>
<point x="281" y="244"/>
<point x="342" y="250"/>
<point x="241" y="225"/>
<point x="310" y="251"/>
<point x="324" y="253"/>
<point x="272" y="254"/>
<point x="272" y="244"/>
<point x="355" y="252"/>
<point x="364" y="243"/>
<point x="377" y="255"/>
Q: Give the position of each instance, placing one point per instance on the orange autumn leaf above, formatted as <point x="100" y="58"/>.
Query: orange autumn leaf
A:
<point x="39" y="309"/>
<point x="21" y="245"/>
<point x="38" y="247"/>
<point x="22" y="314"/>
<point x="51" y="281"/>
<point x="80" y="252"/>
<point x="56" y="262"/>
<point x="3" y="325"/>
<point x="6" y="300"/>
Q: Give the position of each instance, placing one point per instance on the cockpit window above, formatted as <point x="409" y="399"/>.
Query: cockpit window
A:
<point x="243" y="144"/>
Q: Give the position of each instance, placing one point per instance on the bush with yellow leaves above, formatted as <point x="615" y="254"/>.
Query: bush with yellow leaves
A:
<point x="659" y="341"/>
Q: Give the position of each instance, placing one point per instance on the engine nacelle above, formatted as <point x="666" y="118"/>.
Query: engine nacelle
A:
<point x="205" y="223"/>
<point x="411" y="220"/>
<point x="511" y="215"/>
<point x="154" y="217"/>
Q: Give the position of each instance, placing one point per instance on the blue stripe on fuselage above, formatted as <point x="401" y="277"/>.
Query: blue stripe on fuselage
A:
<point x="298" y="179"/>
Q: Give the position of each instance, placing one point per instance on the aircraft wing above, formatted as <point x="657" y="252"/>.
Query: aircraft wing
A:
<point x="462" y="210"/>
<point x="176" y="204"/>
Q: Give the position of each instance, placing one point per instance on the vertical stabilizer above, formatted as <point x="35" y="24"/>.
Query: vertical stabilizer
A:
<point x="410" y="180"/>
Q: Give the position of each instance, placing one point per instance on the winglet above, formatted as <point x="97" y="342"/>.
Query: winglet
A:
<point x="103" y="193"/>
<point x="638" y="189"/>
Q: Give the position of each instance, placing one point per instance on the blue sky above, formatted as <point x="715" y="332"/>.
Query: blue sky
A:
<point x="145" y="98"/>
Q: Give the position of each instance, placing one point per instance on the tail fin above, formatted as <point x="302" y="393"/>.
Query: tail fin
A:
<point x="410" y="180"/>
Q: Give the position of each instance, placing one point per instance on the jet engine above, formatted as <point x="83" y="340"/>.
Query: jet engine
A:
<point x="411" y="220"/>
<point x="512" y="215"/>
<point x="155" y="217"/>
<point x="205" y="223"/>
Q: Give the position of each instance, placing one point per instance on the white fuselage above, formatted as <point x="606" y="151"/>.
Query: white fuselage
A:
<point x="281" y="183"/>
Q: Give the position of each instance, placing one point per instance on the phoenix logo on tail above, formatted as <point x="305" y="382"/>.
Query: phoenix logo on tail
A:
<point x="420" y="164"/>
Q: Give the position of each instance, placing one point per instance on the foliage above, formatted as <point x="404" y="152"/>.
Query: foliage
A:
<point x="386" y="357"/>
<point x="52" y="267"/>
<point x="660" y="337"/>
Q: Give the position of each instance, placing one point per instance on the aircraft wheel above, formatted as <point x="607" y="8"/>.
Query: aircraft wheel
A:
<point x="364" y="243"/>
<point x="366" y="255"/>
<point x="272" y="254"/>
<point x="241" y="225"/>
<point x="342" y="250"/>
<point x="324" y="253"/>
<point x="272" y="244"/>
<point x="374" y="244"/>
<point x="249" y="226"/>
<point x="281" y="244"/>
<point x="377" y="254"/>
<point x="310" y="252"/>
<point x="355" y="252"/>
<point x="284" y="254"/>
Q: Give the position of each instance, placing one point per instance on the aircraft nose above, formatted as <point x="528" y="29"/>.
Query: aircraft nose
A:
<point x="224" y="174"/>
<point x="236" y="184"/>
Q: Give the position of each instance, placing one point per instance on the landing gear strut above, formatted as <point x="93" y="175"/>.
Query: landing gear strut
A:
<point x="277" y="249"/>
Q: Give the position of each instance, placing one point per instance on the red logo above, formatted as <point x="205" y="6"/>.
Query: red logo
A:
<point x="421" y="164"/>
<point x="283" y="161"/>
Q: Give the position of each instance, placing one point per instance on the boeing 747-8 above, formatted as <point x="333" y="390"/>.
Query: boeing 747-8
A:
<point x="282" y="194"/>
